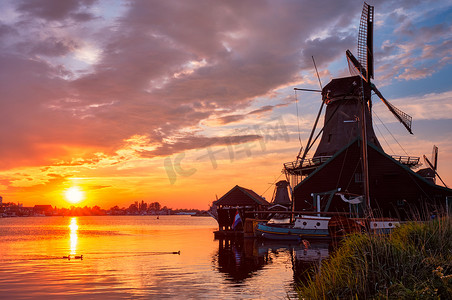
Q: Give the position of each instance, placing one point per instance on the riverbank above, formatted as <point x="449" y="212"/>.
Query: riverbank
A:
<point x="414" y="262"/>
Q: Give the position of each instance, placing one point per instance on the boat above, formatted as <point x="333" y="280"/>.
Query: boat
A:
<point x="350" y="183"/>
<point x="316" y="226"/>
<point x="303" y="227"/>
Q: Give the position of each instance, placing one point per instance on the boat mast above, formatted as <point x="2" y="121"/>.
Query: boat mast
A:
<point x="368" y="28"/>
<point x="365" y="160"/>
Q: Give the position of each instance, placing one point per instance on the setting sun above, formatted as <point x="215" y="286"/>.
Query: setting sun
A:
<point x="74" y="194"/>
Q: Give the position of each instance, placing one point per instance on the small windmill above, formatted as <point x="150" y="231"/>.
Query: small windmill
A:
<point x="434" y="164"/>
<point x="364" y="65"/>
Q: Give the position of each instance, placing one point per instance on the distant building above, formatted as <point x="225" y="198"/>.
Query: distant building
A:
<point x="43" y="210"/>
<point x="281" y="199"/>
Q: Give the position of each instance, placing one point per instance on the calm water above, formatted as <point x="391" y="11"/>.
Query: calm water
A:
<point x="132" y="257"/>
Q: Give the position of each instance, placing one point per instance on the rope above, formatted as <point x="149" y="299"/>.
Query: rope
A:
<point x="391" y="134"/>
<point x="272" y="184"/>
<point x="354" y="172"/>
<point x="381" y="134"/>
<point x="298" y="118"/>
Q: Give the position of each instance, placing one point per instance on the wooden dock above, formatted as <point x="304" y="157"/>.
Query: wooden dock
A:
<point x="228" y="234"/>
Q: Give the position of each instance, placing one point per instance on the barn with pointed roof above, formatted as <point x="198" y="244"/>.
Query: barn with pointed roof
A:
<point x="395" y="190"/>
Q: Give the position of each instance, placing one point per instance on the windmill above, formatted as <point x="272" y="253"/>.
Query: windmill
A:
<point x="433" y="165"/>
<point x="349" y="155"/>
<point x="348" y="112"/>
<point x="364" y="65"/>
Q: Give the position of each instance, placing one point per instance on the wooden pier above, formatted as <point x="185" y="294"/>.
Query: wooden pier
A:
<point x="228" y="234"/>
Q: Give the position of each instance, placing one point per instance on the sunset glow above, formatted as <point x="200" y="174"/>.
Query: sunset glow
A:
<point x="178" y="103"/>
<point x="74" y="194"/>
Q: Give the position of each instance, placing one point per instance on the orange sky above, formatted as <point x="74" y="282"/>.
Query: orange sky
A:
<point x="122" y="103"/>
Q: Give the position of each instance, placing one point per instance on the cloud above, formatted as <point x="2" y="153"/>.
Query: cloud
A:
<point x="415" y="73"/>
<point x="6" y="30"/>
<point x="57" y="10"/>
<point x="239" y="117"/>
<point x="96" y="187"/>
<point x="418" y="49"/>
<point x="76" y="82"/>
<point x="53" y="46"/>
<point x="432" y="106"/>
<point x="197" y="142"/>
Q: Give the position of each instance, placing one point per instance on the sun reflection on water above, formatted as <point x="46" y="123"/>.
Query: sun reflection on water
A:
<point x="73" y="227"/>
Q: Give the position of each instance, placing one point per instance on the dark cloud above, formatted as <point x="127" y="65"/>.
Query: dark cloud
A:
<point x="197" y="142"/>
<point x="231" y="119"/>
<point x="96" y="187"/>
<point x="235" y="118"/>
<point x="326" y="50"/>
<point x="53" y="46"/>
<point x="6" y="30"/>
<point x="54" y="10"/>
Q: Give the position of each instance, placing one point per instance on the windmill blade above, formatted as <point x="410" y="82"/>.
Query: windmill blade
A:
<point x="355" y="66"/>
<point x="435" y="156"/>
<point x="365" y="41"/>
<point x="404" y="118"/>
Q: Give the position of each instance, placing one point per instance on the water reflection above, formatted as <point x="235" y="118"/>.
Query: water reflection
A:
<point x="131" y="257"/>
<point x="239" y="259"/>
<point x="243" y="258"/>
<point x="73" y="236"/>
<point x="308" y="258"/>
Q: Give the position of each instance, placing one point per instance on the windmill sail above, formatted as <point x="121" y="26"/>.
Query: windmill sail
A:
<point x="354" y="66"/>
<point x="364" y="66"/>
<point x="404" y="118"/>
<point x="365" y="41"/>
<point x="435" y="156"/>
<point x="433" y="167"/>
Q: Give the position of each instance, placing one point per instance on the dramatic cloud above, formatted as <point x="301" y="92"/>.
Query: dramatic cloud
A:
<point x="194" y="142"/>
<point x="57" y="10"/>
<point x="235" y="118"/>
<point x="158" y="68"/>
<point x="434" y="106"/>
<point x="418" y="48"/>
<point x="94" y="84"/>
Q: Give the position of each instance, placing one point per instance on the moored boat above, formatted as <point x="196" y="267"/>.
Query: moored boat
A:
<point x="303" y="227"/>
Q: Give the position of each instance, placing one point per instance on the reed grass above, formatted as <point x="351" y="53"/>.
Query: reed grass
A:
<point x="414" y="262"/>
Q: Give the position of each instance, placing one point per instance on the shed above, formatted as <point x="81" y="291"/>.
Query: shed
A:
<point x="238" y="199"/>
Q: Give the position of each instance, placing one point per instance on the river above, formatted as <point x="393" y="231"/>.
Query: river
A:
<point x="144" y="257"/>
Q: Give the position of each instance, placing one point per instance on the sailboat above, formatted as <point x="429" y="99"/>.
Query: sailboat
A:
<point x="350" y="183"/>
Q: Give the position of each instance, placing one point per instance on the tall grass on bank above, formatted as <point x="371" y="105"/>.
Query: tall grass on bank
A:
<point x="414" y="262"/>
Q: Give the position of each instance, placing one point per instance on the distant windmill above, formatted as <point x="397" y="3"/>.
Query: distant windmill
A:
<point x="364" y="65"/>
<point x="434" y="164"/>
